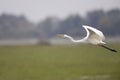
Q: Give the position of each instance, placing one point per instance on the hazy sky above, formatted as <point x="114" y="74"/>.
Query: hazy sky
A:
<point x="36" y="10"/>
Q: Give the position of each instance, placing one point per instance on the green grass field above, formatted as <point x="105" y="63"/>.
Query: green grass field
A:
<point x="85" y="62"/>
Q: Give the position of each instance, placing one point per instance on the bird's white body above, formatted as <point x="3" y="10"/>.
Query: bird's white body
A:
<point x="93" y="36"/>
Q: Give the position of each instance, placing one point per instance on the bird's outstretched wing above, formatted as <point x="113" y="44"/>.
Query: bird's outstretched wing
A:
<point x="94" y="34"/>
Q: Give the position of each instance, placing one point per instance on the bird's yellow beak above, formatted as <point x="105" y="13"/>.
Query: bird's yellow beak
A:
<point x="60" y="35"/>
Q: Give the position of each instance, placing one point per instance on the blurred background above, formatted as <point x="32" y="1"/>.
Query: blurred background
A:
<point x="30" y="50"/>
<point x="38" y="21"/>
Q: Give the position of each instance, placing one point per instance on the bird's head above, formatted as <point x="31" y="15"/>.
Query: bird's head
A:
<point x="61" y="35"/>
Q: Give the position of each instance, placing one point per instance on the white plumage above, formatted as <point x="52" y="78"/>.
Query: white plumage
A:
<point x="93" y="36"/>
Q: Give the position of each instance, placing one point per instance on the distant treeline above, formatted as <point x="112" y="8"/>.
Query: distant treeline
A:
<point x="12" y="26"/>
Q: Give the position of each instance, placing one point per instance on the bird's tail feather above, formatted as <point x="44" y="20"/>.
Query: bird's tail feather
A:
<point x="113" y="50"/>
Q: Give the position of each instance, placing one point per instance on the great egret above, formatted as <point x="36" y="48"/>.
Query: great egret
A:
<point x="94" y="36"/>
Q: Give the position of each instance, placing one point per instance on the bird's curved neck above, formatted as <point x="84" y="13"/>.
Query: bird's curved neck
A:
<point x="73" y="40"/>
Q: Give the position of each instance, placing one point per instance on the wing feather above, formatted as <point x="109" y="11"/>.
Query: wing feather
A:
<point x="94" y="34"/>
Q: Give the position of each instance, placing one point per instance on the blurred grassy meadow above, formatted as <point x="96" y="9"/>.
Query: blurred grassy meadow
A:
<point x="79" y="62"/>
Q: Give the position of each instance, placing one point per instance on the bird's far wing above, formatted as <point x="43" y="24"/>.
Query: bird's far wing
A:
<point x="93" y="33"/>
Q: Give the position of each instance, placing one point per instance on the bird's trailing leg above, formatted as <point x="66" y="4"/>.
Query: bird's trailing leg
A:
<point x="113" y="50"/>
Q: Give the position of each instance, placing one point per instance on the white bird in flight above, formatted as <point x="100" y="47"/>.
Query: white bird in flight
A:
<point x="94" y="36"/>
